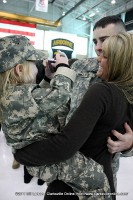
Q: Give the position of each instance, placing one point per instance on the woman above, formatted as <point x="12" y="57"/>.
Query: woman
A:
<point x="97" y="115"/>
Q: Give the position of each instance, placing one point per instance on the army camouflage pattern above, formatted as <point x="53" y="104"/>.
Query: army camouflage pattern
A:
<point x="86" y="76"/>
<point x="31" y="113"/>
<point x="127" y="153"/>
<point x="83" y="175"/>
<point x="16" y="49"/>
<point x="68" y="170"/>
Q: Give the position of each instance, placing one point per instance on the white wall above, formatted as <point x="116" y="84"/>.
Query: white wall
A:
<point x="43" y="41"/>
<point x="39" y="39"/>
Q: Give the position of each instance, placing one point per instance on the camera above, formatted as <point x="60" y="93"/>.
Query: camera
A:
<point x="52" y="69"/>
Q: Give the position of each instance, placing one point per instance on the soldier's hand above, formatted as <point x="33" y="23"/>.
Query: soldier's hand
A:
<point x="125" y="142"/>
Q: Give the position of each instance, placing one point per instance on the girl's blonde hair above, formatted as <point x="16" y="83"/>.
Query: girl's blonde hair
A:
<point x="11" y="77"/>
<point x="119" y="51"/>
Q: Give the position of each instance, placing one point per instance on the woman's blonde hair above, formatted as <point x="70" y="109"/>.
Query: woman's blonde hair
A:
<point x="11" y="77"/>
<point x="119" y="51"/>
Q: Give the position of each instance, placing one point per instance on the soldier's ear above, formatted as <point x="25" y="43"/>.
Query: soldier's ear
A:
<point x="19" y="69"/>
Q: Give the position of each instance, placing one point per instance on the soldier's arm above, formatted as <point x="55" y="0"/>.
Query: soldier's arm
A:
<point x="124" y="143"/>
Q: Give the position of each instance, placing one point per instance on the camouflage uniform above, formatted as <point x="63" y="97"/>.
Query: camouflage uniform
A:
<point x="86" y="75"/>
<point x="91" y="179"/>
<point x="28" y="117"/>
<point x="15" y="49"/>
<point x="33" y="113"/>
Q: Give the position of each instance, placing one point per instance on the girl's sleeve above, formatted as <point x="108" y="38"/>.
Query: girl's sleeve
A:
<point x="58" y="94"/>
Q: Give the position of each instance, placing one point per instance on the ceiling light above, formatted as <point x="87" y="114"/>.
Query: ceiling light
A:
<point x="97" y="10"/>
<point x="63" y="13"/>
<point x="113" y="1"/>
<point x="92" y="14"/>
<point x="4" y="1"/>
<point x="84" y="18"/>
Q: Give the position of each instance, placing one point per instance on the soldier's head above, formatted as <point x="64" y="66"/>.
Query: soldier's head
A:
<point x="105" y="27"/>
<point x="17" y="60"/>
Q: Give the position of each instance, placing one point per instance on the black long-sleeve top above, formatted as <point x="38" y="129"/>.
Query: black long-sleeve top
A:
<point x="104" y="108"/>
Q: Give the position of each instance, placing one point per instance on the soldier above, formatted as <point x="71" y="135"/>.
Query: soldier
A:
<point x="86" y="76"/>
<point x="103" y="28"/>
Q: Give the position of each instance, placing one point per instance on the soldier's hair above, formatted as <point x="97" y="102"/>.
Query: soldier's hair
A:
<point x="119" y="52"/>
<point x="103" y="22"/>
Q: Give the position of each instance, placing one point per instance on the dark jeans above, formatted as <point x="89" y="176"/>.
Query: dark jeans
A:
<point x="60" y="188"/>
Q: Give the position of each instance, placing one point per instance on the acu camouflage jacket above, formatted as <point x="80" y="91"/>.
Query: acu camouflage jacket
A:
<point x="32" y="113"/>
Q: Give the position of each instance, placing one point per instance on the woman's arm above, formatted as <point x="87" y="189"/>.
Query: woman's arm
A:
<point x="62" y="146"/>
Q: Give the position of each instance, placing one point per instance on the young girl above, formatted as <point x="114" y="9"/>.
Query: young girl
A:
<point x="22" y="100"/>
<point x="31" y="113"/>
<point x="29" y="106"/>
